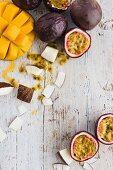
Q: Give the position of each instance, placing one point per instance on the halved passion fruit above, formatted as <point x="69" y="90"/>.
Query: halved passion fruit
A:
<point x="104" y="129"/>
<point x="83" y="146"/>
<point x="77" y="42"/>
<point x="57" y="5"/>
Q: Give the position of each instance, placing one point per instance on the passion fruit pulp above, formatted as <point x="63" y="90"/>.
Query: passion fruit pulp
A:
<point x="104" y="129"/>
<point x="77" y="42"/>
<point x="84" y="146"/>
<point x="57" y="5"/>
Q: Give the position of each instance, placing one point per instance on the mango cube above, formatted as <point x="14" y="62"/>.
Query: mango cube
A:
<point x="11" y="32"/>
<point x="2" y="7"/>
<point x="27" y="27"/>
<point x="4" y="45"/>
<point x="12" y="52"/>
<point x="3" y="24"/>
<point x="10" y="12"/>
<point x="20" y="53"/>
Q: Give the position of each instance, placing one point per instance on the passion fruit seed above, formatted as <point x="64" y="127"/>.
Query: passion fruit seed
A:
<point x="37" y="87"/>
<point x="62" y="4"/>
<point x="38" y="78"/>
<point x="50" y="68"/>
<point x="14" y="83"/>
<point x="77" y="43"/>
<point x="22" y="68"/>
<point x="40" y="97"/>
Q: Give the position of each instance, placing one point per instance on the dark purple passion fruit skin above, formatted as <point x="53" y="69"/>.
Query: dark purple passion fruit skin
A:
<point x="88" y="47"/>
<point x="50" y="27"/>
<point x="27" y="4"/>
<point x="90" y="135"/>
<point x="96" y="132"/>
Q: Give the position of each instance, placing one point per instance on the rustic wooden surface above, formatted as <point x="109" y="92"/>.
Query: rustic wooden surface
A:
<point x="86" y="94"/>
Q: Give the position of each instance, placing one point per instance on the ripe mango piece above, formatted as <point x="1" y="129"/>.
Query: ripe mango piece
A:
<point x="10" y="12"/>
<point x="31" y="35"/>
<point x="2" y="7"/>
<point x="21" y="19"/>
<point x="3" y="24"/>
<point x="12" y="52"/>
<point x="27" y="27"/>
<point x="4" y="45"/>
<point x="20" y="53"/>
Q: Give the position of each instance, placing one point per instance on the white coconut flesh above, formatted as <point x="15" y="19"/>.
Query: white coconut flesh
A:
<point x="74" y="142"/>
<point x="77" y="46"/>
<point x="104" y="129"/>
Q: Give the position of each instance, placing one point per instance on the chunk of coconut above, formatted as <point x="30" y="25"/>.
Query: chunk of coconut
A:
<point x="60" y="167"/>
<point x="50" y="54"/>
<point x="47" y="102"/>
<point x="65" y="154"/>
<point x="33" y="70"/>
<point x="87" y="166"/>
<point x="2" y="135"/>
<point x="92" y="160"/>
<point x="5" y="88"/>
<point x="22" y="109"/>
<point x="47" y="92"/>
<point x="60" y="79"/>
<point x="16" y="124"/>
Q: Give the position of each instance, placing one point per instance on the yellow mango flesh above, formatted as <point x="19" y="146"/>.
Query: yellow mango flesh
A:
<point x="16" y="31"/>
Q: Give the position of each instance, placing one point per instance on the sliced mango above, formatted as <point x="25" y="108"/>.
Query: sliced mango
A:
<point x="12" y="52"/>
<point x="4" y="45"/>
<point x="21" y="19"/>
<point x="20" y="53"/>
<point x="3" y="24"/>
<point x="27" y="27"/>
<point x="31" y="35"/>
<point x="11" y="32"/>
<point x="2" y="7"/>
<point x="10" y="12"/>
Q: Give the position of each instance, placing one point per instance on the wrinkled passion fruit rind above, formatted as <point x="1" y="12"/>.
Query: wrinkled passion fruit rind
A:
<point x="86" y="14"/>
<point x="27" y="4"/>
<point x="51" y="26"/>
<point x="58" y="6"/>
<point x="78" y="42"/>
<point x="107" y="115"/>
<point x="90" y="136"/>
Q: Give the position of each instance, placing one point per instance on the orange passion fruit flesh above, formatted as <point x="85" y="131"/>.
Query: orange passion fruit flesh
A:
<point x="77" y="43"/>
<point x="105" y="129"/>
<point x="61" y="4"/>
<point x="84" y="147"/>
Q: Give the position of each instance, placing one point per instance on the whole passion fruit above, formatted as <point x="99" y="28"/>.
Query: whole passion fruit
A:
<point x="77" y="42"/>
<point x="83" y="146"/>
<point x="51" y="26"/>
<point x="104" y="129"/>
<point x="86" y="14"/>
<point x="57" y="5"/>
<point x="27" y="4"/>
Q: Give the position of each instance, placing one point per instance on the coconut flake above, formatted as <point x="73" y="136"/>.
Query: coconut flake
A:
<point x="47" y="92"/>
<point x="87" y="166"/>
<point x="65" y="154"/>
<point x="3" y="135"/>
<point x="60" y="79"/>
<point x="60" y="167"/>
<point x="22" y="109"/>
<point x="47" y="102"/>
<point x="16" y="124"/>
<point x="50" y="54"/>
<point x="33" y="70"/>
<point x="5" y="88"/>
<point x="92" y="160"/>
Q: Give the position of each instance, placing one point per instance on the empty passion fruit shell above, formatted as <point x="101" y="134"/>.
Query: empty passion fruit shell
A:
<point x="83" y="146"/>
<point x="77" y="42"/>
<point x="104" y="129"/>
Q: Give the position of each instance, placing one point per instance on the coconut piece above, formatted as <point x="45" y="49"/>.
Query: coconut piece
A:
<point x="50" y="54"/>
<point x="25" y="93"/>
<point x="92" y="160"/>
<point x="60" y="79"/>
<point x="33" y="70"/>
<point x="16" y="124"/>
<point x="47" y="102"/>
<point x="5" y="88"/>
<point x="60" y="167"/>
<point x="47" y="92"/>
<point x="65" y="154"/>
<point x="87" y="166"/>
<point x="2" y="135"/>
<point x="22" y="109"/>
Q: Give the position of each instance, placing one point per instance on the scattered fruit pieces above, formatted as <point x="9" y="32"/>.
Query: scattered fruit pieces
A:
<point x="22" y="109"/>
<point x="5" y="88"/>
<point x="34" y="112"/>
<point x="65" y="154"/>
<point x="60" y="167"/>
<point x="37" y="87"/>
<point x="3" y="135"/>
<point x="38" y="78"/>
<point x="22" y="68"/>
<point x="16" y="124"/>
<point x="25" y="93"/>
<point x="47" y="92"/>
<point x="60" y="79"/>
<point x="50" y="54"/>
<point x="47" y="102"/>
<point x="33" y="70"/>
<point x="40" y="97"/>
